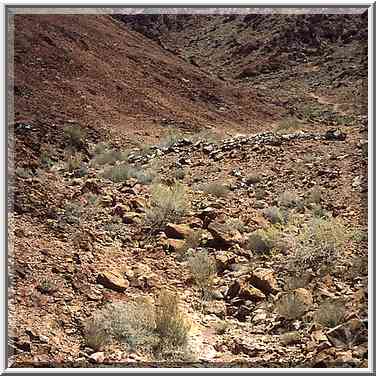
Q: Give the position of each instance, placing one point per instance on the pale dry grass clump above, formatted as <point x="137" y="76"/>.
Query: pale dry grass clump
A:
<point x="168" y="204"/>
<point x="290" y="306"/>
<point x="203" y="271"/>
<point x="216" y="189"/>
<point x="171" y="325"/>
<point x="319" y="243"/>
<point x="158" y="327"/>
<point x="331" y="314"/>
<point x="263" y="241"/>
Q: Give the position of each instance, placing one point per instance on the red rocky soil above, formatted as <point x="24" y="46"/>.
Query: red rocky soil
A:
<point x="268" y="105"/>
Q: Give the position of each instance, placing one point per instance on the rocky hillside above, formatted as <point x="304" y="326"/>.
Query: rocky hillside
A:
<point x="93" y="71"/>
<point x="176" y="212"/>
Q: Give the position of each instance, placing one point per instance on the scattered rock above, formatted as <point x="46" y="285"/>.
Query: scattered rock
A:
<point x="304" y="296"/>
<point x="264" y="280"/>
<point x="224" y="237"/>
<point x="113" y="280"/>
<point x="335" y="135"/>
<point x="223" y="260"/>
<point x="132" y="218"/>
<point x="97" y="357"/>
<point x="251" y="293"/>
<point x="177" y="231"/>
<point x="139" y="204"/>
<point x="350" y="333"/>
<point x="175" y="244"/>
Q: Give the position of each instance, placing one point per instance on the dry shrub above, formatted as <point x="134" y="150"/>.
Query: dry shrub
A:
<point x="171" y="325"/>
<point x="266" y="240"/>
<point x="319" y="243"/>
<point x="119" y="173"/>
<point x="331" y="314"/>
<point x="129" y="322"/>
<point x="290" y="306"/>
<point x="168" y="204"/>
<point x="288" y="125"/>
<point x="288" y="199"/>
<point x="74" y="135"/>
<point x="216" y="189"/>
<point x="203" y="271"/>
<point x="157" y="327"/>
<point x="109" y="157"/>
<point x="234" y="224"/>
<point x="275" y="215"/>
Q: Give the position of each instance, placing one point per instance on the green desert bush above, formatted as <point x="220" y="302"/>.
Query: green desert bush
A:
<point x="74" y="135"/>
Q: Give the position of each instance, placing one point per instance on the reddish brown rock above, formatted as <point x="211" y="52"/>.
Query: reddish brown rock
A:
<point x="177" y="231"/>
<point x="264" y="280"/>
<point x="113" y="280"/>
